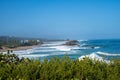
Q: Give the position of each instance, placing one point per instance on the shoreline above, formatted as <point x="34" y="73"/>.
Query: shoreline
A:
<point x="18" y="48"/>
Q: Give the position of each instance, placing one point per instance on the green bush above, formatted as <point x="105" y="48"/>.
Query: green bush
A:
<point x="12" y="68"/>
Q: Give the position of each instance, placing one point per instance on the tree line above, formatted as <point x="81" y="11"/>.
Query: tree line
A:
<point x="12" y="42"/>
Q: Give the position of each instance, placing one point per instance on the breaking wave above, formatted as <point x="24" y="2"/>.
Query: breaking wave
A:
<point x="94" y="56"/>
<point x="45" y="54"/>
<point x="107" y="54"/>
<point x="52" y="48"/>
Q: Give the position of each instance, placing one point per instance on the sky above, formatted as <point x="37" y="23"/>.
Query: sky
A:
<point x="60" y="19"/>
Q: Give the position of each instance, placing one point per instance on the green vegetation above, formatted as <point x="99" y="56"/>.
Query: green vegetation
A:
<point x="13" y="42"/>
<point x="13" y="68"/>
<point x="10" y="42"/>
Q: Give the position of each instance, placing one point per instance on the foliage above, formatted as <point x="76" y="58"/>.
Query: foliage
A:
<point x="13" y="68"/>
<point x="10" y="42"/>
<point x="13" y="42"/>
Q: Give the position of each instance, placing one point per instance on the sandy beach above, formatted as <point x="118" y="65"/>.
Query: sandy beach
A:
<point x="17" y="48"/>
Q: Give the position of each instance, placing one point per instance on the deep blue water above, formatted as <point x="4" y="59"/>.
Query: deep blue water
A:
<point x="109" y="45"/>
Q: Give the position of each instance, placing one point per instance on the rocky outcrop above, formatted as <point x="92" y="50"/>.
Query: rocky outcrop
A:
<point x="72" y="43"/>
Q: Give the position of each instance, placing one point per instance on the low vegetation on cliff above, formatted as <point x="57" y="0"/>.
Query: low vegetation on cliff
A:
<point x="14" y="68"/>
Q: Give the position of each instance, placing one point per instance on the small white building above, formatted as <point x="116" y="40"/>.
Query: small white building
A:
<point x="38" y="41"/>
<point x="26" y="41"/>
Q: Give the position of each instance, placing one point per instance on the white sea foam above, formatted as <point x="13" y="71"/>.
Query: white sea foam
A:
<point x="45" y="55"/>
<point x="82" y="40"/>
<point x="53" y="48"/>
<point x="91" y="56"/>
<point x="55" y="43"/>
<point x="107" y="54"/>
<point x="63" y="48"/>
<point x="83" y="44"/>
<point x="97" y="47"/>
<point x="21" y="52"/>
<point x="94" y="56"/>
<point x="88" y="48"/>
<point x="33" y="55"/>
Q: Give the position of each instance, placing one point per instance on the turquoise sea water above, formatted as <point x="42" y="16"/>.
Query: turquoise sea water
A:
<point x="109" y="48"/>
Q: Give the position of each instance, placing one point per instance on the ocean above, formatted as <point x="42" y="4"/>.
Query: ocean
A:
<point x="94" y="49"/>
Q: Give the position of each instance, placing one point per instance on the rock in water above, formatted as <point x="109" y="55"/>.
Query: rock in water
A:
<point x="72" y="43"/>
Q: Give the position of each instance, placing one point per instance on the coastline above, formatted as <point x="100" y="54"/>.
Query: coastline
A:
<point x="18" y="48"/>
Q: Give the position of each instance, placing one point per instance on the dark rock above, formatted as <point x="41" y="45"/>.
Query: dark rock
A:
<point x="72" y="43"/>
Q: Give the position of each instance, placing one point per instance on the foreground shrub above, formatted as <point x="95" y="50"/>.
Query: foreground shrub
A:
<point x="57" y="69"/>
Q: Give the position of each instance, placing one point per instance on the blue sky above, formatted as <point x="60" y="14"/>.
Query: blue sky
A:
<point x="62" y="19"/>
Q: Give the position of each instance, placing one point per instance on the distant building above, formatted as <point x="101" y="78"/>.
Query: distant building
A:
<point x="21" y="41"/>
<point x="26" y="41"/>
<point x="38" y="41"/>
